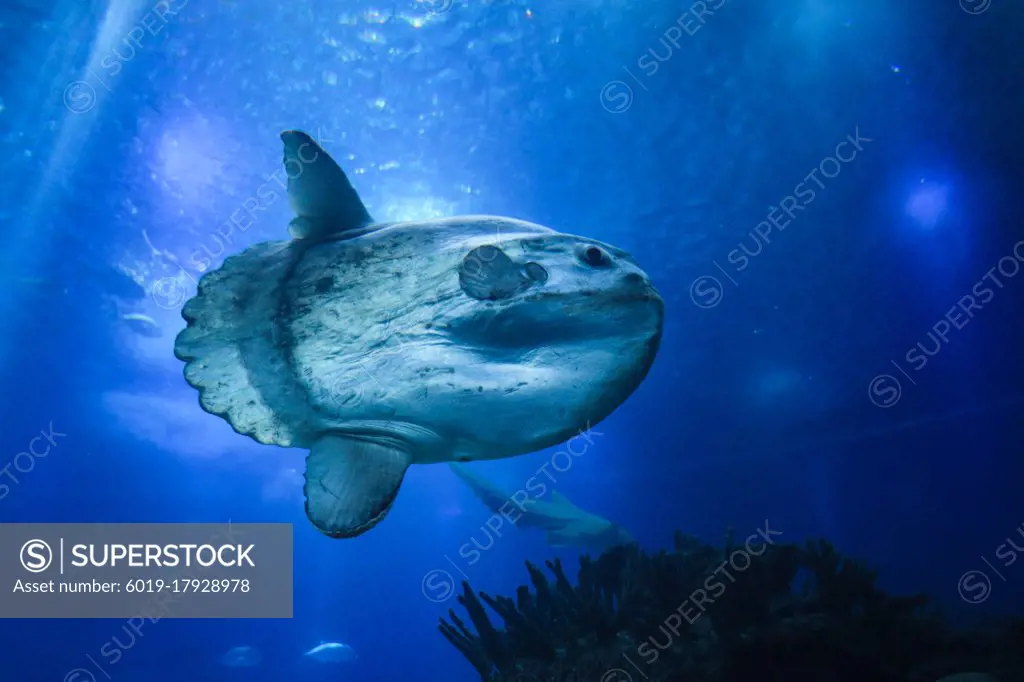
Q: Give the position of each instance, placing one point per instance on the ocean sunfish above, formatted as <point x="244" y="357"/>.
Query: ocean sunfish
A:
<point x="378" y="346"/>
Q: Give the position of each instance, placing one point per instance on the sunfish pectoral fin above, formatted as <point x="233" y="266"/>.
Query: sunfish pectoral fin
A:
<point x="488" y="274"/>
<point x="351" y="483"/>
<point x="319" y="191"/>
<point x="301" y="227"/>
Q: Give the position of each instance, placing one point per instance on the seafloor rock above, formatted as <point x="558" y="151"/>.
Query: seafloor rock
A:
<point x="766" y="612"/>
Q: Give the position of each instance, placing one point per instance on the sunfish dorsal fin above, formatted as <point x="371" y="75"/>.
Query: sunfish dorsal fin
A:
<point x="319" y="192"/>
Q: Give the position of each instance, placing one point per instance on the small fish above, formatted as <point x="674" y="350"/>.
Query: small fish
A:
<point x="142" y="324"/>
<point x="332" y="652"/>
<point x="241" y="657"/>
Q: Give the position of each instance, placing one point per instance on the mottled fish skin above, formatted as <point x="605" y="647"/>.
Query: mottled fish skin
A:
<point x="373" y="335"/>
<point x="384" y="341"/>
<point x="233" y="347"/>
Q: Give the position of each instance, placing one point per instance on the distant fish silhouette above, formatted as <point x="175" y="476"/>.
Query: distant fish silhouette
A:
<point x="564" y="524"/>
<point x="143" y="325"/>
<point x="332" y="652"/>
<point x="241" y="657"/>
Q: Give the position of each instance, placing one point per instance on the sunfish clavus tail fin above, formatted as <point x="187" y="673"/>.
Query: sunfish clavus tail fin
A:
<point x="230" y="351"/>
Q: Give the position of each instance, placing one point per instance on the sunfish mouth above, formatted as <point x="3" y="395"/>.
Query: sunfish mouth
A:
<point x="647" y="294"/>
<point x="550" y="319"/>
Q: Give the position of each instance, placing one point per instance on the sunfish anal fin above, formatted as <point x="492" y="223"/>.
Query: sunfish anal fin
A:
<point x="351" y="483"/>
<point x="318" y="190"/>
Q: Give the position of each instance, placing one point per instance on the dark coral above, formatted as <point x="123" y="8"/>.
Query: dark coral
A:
<point x="789" y="614"/>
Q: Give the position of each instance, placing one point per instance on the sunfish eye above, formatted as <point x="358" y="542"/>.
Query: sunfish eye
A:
<point x="594" y="256"/>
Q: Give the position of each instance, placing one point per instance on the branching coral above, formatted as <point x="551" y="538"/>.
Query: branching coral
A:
<point x="774" y="612"/>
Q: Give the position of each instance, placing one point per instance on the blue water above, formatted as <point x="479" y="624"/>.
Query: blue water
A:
<point x="790" y="385"/>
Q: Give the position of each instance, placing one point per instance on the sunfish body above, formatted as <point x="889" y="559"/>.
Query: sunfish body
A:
<point x="379" y="346"/>
<point x="241" y="657"/>
<point x="331" y="652"/>
<point x="563" y="523"/>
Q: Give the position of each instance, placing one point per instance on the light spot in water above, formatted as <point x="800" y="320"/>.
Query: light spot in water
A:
<point x="410" y="209"/>
<point x="187" y="157"/>
<point x="372" y="37"/>
<point x="776" y="383"/>
<point x="928" y="203"/>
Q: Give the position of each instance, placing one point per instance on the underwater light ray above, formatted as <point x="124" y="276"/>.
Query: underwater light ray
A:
<point x="120" y="16"/>
<point x="28" y="237"/>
